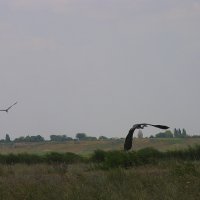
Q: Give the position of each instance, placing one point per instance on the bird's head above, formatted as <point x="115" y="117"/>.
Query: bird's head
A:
<point x="139" y="126"/>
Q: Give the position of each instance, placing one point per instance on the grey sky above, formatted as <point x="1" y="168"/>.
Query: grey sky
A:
<point x="98" y="66"/>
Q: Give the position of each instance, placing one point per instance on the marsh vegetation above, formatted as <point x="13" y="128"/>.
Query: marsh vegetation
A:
<point x="146" y="173"/>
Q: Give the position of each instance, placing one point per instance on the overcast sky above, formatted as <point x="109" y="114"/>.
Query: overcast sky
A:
<point x="99" y="66"/>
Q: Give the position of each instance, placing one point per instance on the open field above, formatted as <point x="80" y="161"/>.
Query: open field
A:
<point x="87" y="147"/>
<point x="164" y="181"/>
<point x="105" y="175"/>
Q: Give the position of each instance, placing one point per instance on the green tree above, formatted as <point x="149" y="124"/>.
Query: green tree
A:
<point x="184" y="133"/>
<point x="19" y="139"/>
<point x="166" y="134"/>
<point x="59" y="138"/>
<point x="102" y="137"/>
<point x="90" y="138"/>
<point x="81" y="136"/>
<point x="7" y="138"/>
<point x="177" y="133"/>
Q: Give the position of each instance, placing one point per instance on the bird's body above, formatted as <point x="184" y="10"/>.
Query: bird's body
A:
<point x="129" y="137"/>
<point x="6" y="110"/>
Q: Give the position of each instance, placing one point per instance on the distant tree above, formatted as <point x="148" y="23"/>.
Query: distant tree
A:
<point x="19" y="139"/>
<point x="195" y="136"/>
<point x="151" y="136"/>
<point x="81" y="136"/>
<point x="7" y="138"/>
<point x="37" y="138"/>
<point x="90" y="138"/>
<point x="175" y="133"/>
<point x="179" y="133"/>
<point x="103" y="137"/>
<point x="166" y="134"/>
<point x="59" y="138"/>
<point x="184" y="133"/>
<point x="69" y="139"/>
<point x="27" y="139"/>
<point x="140" y="134"/>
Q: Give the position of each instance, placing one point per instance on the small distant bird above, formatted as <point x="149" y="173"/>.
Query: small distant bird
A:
<point x="129" y="137"/>
<point x="6" y="110"/>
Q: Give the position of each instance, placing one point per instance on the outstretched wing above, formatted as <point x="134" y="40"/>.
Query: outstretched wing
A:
<point x="6" y="110"/>
<point x="159" y="126"/>
<point x="11" y="106"/>
<point x="129" y="138"/>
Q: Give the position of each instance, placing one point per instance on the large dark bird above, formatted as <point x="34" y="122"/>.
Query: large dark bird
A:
<point x="6" y="110"/>
<point x="129" y="137"/>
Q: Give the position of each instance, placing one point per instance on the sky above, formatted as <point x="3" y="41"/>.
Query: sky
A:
<point x="99" y="66"/>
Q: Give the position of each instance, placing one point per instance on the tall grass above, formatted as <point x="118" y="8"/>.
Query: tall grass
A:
<point x="166" y="181"/>
<point x="52" y="157"/>
<point x="144" y="174"/>
<point x="106" y="159"/>
<point x="112" y="159"/>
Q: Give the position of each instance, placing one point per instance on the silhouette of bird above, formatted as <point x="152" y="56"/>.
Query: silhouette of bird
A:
<point x="129" y="137"/>
<point x="6" y="110"/>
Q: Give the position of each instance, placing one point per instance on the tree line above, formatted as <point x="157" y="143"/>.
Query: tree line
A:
<point x="54" y="138"/>
<point x="177" y="133"/>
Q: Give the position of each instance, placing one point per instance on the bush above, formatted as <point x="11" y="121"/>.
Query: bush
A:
<point x="148" y="155"/>
<point x="98" y="156"/>
<point x="106" y="159"/>
<point x="68" y="158"/>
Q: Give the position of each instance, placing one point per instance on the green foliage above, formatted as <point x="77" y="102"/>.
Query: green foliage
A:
<point x="90" y="138"/>
<point x="102" y="137"/>
<point x="81" y="136"/>
<point x="191" y="153"/>
<point x="60" y="138"/>
<point x="55" y="157"/>
<point x="106" y="159"/>
<point x="149" y="155"/>
<point x="7" y="138"/>
<point x="166" y="134"/>
<point x="113" y="159"/>
<point x="37" y="138"/>
<point x="52" y="157"/>
<point x="179" y="134"/>
<point x="98" y="156"/>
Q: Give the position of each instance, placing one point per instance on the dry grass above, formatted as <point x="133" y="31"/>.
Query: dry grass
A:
<point x="86" y="147"/>
<point x="81" y="182"/>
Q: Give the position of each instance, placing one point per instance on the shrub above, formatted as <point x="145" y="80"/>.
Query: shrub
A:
<point x="98" y="156"/>
<point x="68" y="157"/>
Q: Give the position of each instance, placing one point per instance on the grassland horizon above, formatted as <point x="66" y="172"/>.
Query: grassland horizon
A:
<point x="159" y="169"/>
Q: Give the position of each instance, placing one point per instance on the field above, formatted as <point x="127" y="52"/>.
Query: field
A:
<point x="87" y="147"/>
<point x="164" y="181"/>
<point x="106" y="174"/>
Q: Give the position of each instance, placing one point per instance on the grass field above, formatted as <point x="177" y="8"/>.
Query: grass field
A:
<point x="164" y="181"/>
<point x="105" y="176"/>
<point x="86" y="147"/>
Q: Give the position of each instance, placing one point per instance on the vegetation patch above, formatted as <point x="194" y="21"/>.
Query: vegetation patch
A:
<point x="106" y="159"/>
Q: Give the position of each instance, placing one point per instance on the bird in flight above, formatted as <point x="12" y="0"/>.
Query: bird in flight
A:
<point x="129" y="137"/>
<point x="6" y="110"/>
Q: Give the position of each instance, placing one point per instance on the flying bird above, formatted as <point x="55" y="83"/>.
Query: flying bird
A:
<point x="129" y="137"/>
<point x="6" y="110"/>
